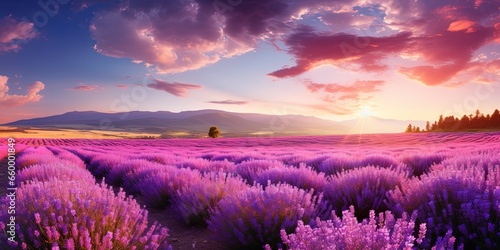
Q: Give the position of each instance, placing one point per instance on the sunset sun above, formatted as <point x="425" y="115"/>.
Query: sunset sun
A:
<point x="365" y="111"/>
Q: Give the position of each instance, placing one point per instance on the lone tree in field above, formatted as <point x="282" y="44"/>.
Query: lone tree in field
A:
<point x="213" y="132"/>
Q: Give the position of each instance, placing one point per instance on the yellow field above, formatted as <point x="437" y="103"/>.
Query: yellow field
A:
<point x="69" y="133"/>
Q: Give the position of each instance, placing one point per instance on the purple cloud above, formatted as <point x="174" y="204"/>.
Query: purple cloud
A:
<point x="175" y="88"/>
<point x="84" y="87"/>
<point x="229" y="102"/>
<point x="13" y="32"/>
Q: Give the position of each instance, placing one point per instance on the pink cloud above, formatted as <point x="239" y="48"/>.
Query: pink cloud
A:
<point x="441" y="38"/>
<point x="449" y="54"/>
<point x="175" y="88"/>
<point x="229" y="102"/>
<point x="12" y="33"/>
<point x="344" y="50"/>
<point x="343" y="99"/>
<point x="462" y="25"/>
<point x="121" y="86"/>
<point x="8" y="100"/>
<point x="84" y="87"/>
<point x="355" y="91"/>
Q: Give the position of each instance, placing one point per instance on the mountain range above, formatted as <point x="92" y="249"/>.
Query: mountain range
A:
<point x="197" y="123"/>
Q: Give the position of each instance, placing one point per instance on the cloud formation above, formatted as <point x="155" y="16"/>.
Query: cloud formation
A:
<point x="174" y="88"/>
<point x="13" y="32"/>
<point x="440" y="37"/>
<point x="84" y="87"/>
<point x="342" y="99"/>
<point x="343" y="50"/>
<point x="9" y="100"/>
<point x="355" y="91"/>
<point x="177" y="36"/>
<point x="229" y="102"/>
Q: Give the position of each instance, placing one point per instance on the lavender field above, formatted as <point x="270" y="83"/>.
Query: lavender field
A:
<point x="379" y="191"/>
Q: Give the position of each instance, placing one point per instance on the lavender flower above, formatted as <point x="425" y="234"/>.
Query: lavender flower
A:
<point x="364" y="188"/>
<point x="196" y="200"/>
<point x="67" y="221"/>
<point x="302" y="177"/>
<point x="254" y="217"/>
<point x="347" y="233"/>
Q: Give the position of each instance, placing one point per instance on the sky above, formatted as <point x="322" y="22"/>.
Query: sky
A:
<point x="339" y="60"/>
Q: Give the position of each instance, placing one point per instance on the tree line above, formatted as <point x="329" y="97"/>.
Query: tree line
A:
<point x="475" y="121"/>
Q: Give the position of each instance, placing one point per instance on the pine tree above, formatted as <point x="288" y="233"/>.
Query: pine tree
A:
<point x="428" y="126"/>
<point x="440" y="122"/>
<point x="409" y="129"/>
<point x="464" y="123"/>
<point x="434" y="126"/>
<point x="495" y="119"/>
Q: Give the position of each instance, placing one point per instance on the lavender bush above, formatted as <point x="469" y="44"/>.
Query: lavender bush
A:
<point x="249" y="170"/>
<point x="68" y="156"/>
<point x="302" y="177"/>
<point x="131" y="181"/>
<point x="386" y="232"/>
<point x="161" y="158"/>
<point x="309" y="160"/>
<point x="102" y="164"/>
<point x="337" y="163"/>
<point x="196" y="200"/>
<point x="32" y="156"/>
<point x="115" y="175"/>
<point x="364" y="188"/>
<point x="158" y="189"/>
<point x="50" y="171"/>
<point x="76" y="215"/>
<point x="455" y="199"/>
<point x="255" y="216"/>
<point x="420" y="163"/>
<point x="379" y="160"/>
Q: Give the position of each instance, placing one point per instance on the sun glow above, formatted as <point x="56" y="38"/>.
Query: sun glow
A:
<point x="365" y="111"/>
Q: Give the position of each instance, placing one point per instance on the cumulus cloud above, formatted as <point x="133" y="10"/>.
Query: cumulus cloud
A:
<point x="174" y="88"/>
<point x="13" y="32"/>
<point x="84" y="87"/>
<point x="9" y="100"/>
<point x="229" y="102"/>
<point x="169" y="35"/>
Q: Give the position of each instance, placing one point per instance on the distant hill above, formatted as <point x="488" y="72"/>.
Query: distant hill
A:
<point x="198" y="122"/>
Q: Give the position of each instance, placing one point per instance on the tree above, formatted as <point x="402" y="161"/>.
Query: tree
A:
<point x="434" y="126"/>
<point x="417" y="130"/>
<point x="213" y="132"/>
<point x="428" y="126"/>
<point x="495" y="119"/>
<point x="440" y="122"/>
<point x="409" y="129"/>
<point x="464" y="123"/>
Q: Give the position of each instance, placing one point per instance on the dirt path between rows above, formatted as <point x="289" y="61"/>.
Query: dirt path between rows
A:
<point x="183" y="236"/>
